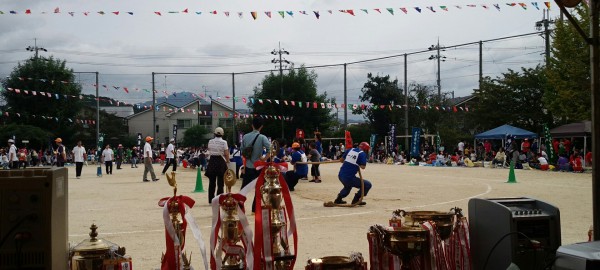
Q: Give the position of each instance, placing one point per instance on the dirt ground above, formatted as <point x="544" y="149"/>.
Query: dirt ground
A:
<point x="125" y="208"/>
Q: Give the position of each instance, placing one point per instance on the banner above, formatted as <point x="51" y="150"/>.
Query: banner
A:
<point x="415" y="143"/>
<point x="348" y="138"/>
<point x="174" y="133"/>
<point x="549" y="148"/>
<point x="392" y="140"/>
<point x="372" y="142"/>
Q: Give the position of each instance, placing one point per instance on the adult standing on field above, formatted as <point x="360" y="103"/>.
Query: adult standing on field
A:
<point x="107" y="156"/>
<point x="217" y="164"/>
<point x="148" y="160"/>
<point x="257" y="142"/>
<point x="79" y="156"/>
<point x="170" y="152"/>
<point x="12" y="154"/>
<point x="61" y="154"/>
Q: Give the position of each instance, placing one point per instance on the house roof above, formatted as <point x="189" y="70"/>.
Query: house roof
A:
<point x="457" y="101"/>
<point x="579" y="129"/>
<point x="119" y="111"/>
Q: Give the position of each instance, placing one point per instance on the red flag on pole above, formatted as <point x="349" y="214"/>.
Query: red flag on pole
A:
<point x="348" y="140"/>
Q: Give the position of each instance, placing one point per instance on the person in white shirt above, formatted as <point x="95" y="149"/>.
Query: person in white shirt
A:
<point x="148" y="160"/>
<point x="461" y="147"/>
<point x="12" y="155"/>
<point x="217" y="164"/>
<point x="79" y="156"/>
<point x="170" y="157"/>
<point x="107" y="157"/>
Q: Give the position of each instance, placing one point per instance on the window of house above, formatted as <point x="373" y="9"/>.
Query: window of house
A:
<point x="205" y="121"/>
<point x="225" y="122"/>
<point x="184" y="123"/>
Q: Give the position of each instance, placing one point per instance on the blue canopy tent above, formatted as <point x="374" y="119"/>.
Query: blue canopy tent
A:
<point x="500" y="133"/>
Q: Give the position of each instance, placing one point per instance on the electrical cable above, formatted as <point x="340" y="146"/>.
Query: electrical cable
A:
<point x="498" y="243"/>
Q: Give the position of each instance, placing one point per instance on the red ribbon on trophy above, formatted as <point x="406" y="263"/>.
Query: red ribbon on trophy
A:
<point x="435" y="258"/>
<point x="172" y="256"/>
<point x="263" y="253"/>
<point x="218" y="247"/>
<point x="459" y="250"/>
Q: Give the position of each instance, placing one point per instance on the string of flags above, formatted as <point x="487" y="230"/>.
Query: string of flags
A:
<point x="222" y="114"/>
<point x="255" y="101"/>
<point x="290" y="14"/>
<point x="49" y="118"/>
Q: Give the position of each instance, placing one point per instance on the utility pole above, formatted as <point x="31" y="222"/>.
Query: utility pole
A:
<point x="439" y="59"/>
<point x="545" y="23"/>
<point x="35" y="49"/>
<point x="405" y="103"/>
<point x="153" y="107"/>
<point x="280" y="61"/>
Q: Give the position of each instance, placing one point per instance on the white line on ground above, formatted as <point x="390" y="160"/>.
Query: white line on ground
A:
<point x="489" y="189"/>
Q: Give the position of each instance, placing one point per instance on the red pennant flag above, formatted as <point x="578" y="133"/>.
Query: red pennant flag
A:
<point x="213" y="12"/>
<point x="28" y="11"/>
<point x="115" y="12"/>
<point x="293" y="103"/>
<point x="185" y="10"/>
<point x="157" y="13"/>
<point x="350" y="11"/>
<point x="126" y="90"/>
<point x="348" y="139"/>
<point x="57" y="10"/>
<point x="454" y="109"/>
<point x="314" y="105"/>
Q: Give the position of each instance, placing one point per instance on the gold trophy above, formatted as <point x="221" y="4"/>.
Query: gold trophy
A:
<point x="272" y="199"/>
<point x="231" y="228"/>
<point x="176" y="257"/>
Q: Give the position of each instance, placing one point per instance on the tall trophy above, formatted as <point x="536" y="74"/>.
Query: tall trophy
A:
<point x="177" y="217"/>
<point x="275" y="224"/>
<point x="233" y="249"/>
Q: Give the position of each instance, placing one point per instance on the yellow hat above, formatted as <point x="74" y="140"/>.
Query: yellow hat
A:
<point x="149" y="139"/>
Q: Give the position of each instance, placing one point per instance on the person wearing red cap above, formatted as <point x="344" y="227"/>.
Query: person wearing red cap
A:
<point x="353" y="160"/>
<point x="61" y="155"/>
<point x="148" y="160"/>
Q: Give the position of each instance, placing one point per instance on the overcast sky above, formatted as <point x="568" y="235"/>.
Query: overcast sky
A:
<point x="126" y="48"/>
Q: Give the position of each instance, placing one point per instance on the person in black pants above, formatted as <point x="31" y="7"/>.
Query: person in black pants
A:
<point x="217" y="166"/>
<point x="170" y="157"/>
<point x="107" y="156"/>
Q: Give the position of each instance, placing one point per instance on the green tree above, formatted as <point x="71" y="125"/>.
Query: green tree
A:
<point x="385" y="95"/>
<point x="568" y="72"/>
<point x="37" y="137"/>
<point x="48" y="75"/>
<point x="195" y="136"/>
<point x="512" y="99"/>
<point x="299" y="86"/>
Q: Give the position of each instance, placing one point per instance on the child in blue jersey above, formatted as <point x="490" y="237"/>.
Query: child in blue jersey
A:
<point x="300" y="171"/>
<point x="353" y="160"/>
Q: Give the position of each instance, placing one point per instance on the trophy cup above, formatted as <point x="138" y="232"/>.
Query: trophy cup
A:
<point x="231" y="228"/>
<point x="174" y="257"/>
<point x="273" y="213"/>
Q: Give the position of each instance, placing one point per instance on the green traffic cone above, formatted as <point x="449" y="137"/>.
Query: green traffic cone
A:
<point x="199" y="187"/>
<point x="511" y="173"/>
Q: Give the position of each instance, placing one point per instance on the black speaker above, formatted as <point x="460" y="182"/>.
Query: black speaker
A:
<point x="34" y="219"/>
<point x="522" y="231"/>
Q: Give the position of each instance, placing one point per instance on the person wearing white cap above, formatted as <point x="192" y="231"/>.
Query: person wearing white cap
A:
<point x="12" y="154"/>
<point x="170" y="157"/>
<point x="217" y="164"/>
